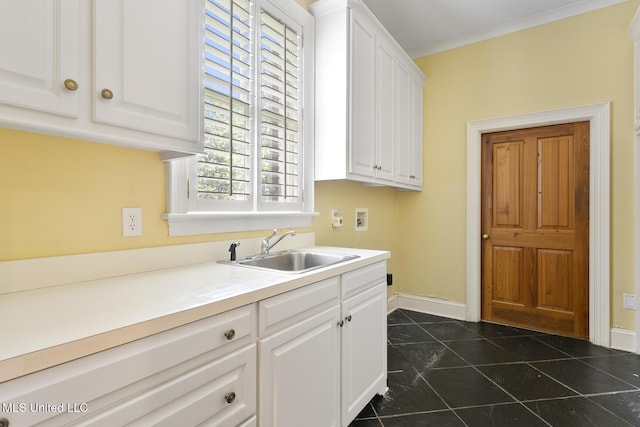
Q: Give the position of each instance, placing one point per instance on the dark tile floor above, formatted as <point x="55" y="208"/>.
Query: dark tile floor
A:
<point x="444" y="372"/>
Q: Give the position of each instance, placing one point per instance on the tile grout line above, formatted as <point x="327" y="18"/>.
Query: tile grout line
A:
<point x="496" y="341"/>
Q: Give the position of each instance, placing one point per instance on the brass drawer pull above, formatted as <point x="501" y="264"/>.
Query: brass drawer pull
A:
<point x="106" y="94"/>
<point x="230" y="397"/>
<point x="230" y="334"/>
<point x="71" y="85"/>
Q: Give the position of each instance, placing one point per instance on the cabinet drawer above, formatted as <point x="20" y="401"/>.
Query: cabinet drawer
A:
<point x="104" y="378"/>
<point x="363" y="278"/>
<point x="222" y="393"/>
<point x="286" y="309"/>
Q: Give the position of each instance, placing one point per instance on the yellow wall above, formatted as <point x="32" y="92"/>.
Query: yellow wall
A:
<point x="61" y="196"/>
<point x="583" y="60"/>
<point x="384" y="218"/>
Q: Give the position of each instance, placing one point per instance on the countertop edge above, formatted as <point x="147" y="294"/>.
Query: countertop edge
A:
<point x="28" y="363"/>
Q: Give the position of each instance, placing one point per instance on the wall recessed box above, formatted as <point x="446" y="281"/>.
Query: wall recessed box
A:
<point x="362" y="219"/>
<point x="368" y="112"/>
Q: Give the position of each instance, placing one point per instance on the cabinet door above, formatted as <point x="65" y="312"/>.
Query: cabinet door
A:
<point x="409" y="117"/>
<point x="364" y="350"/>
<point x="385" y="117"/>
<point x="362" y="138"/>
<point x="416" y="132"/>
<point x="404" y="120"/>
<point x="39" y="50"/>
<point x="299" y="374"/>
<point x="147" y="56"/>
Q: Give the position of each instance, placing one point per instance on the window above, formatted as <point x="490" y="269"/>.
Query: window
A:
<point x="256" y="170"/>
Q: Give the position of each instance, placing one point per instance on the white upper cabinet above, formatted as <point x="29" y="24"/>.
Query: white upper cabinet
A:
<point x="387" y="139"/>
<point x="143" y="66"/>
<point x="39" y="50"/>
<point x="113" y="71"/>
<point x="362" y="126"/>
<point x="409" y="121"/>
<point x="367" y="126"/>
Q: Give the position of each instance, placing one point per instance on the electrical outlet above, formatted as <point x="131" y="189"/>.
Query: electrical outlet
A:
<point x="131" y="222"/>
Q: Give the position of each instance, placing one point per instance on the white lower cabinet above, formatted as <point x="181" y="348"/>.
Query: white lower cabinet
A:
<point x="310" y="357"/>
<point x="202" y="372"/>
<point x="364" y="350"/>
<point x="300" y="374"/>
<point x="323" y="369"/>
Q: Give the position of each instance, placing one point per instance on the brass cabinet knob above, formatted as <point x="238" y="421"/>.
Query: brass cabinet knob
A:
<point x="230" y="334"/>
<point x="485" y="237"/>
<point x="348" y="318"/>
<point x="106" y="94"/>
<point x="341" y="323"/>
<point x="230" y="397"/>
<point x="71" y="84"/>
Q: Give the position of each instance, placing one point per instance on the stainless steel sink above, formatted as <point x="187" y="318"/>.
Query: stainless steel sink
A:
<point x="292" y="261"/>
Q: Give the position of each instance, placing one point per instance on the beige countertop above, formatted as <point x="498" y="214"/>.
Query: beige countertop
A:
<point x="45" y="327"/>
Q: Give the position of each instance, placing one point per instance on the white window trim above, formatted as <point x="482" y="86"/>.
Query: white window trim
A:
<point x="183" y="222"/>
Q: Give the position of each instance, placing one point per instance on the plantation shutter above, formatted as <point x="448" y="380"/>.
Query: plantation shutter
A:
<point x="280" y="112"/>
<point x="225" y="169"/>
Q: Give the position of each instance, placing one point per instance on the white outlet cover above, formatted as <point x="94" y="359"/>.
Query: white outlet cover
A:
<point x="629" y="301"/>
<point x="131" y="222"/>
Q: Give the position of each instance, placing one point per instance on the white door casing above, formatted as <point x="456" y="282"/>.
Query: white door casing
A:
<point x="598" y="116"/>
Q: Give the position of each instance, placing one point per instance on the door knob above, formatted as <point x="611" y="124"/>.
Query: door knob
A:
<point x="485" y="237"/>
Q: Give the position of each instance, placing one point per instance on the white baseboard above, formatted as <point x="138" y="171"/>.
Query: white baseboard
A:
<point x="621" y="339"/>
<point x="429" y="305"/>
<point x="392" y="303"/>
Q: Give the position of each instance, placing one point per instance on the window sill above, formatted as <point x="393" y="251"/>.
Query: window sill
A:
<point x="184" y="224"/>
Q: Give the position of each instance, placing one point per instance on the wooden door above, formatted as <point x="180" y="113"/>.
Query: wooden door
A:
<point x="535" y="225"/>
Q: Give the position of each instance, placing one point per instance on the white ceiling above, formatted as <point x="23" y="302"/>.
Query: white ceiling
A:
<point x="423" y="27"/>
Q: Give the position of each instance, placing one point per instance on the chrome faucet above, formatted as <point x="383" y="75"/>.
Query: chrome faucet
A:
<point x="266" y="246"/>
